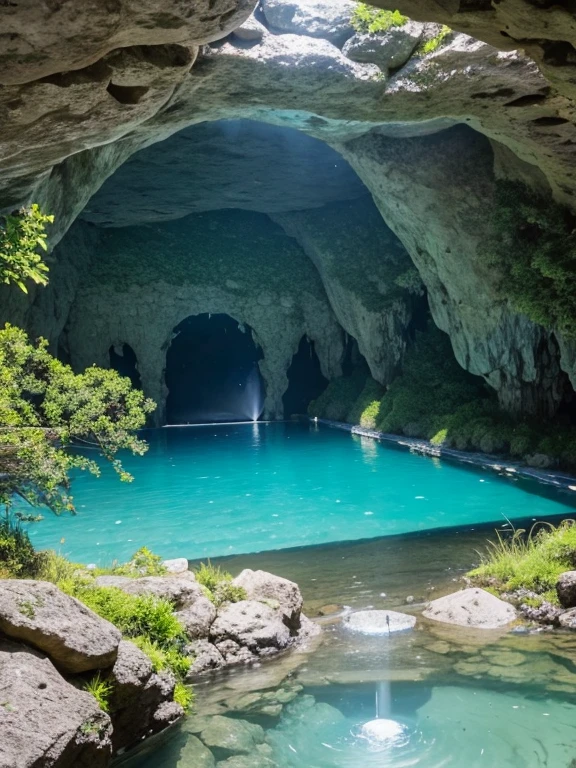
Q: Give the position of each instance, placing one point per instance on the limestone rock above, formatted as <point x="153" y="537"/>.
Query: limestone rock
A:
<point x="141" y="702"/>
<point x="568" y="619"/>
<point x="566" y="589"/>
<point x="388" y="50"/>
<point x="229" y="736"/>
<point x="198" y="618"/>
<point x="250" y="30"/>
<point x="474" y="608"/>
<point x="75" y="638"/>
<point x="379" y="622"/>
<point x="329" y="19"/>
<point x="252" y="625"/>
<point x="181" y="589"/>
<point x="206" y="658"/>
<point x="194" y="753"/>
<point x="264" y="586"/>
<point x="177" y="565"/>
<point x="45" y="721"/>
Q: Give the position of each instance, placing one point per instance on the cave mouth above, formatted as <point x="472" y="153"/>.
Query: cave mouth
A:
<point x="123" y="359"/>
<point x="212" y="372"/>
<point x="305" y="379"/>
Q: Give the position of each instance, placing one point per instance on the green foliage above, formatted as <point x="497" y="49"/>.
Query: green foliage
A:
<point x="338" y="399"/>
<point x="21" y="235"/>
<point x="411" y="281"/>
<point x="184" y="696"/>
<point x="217" y="584"/>
<point x="18" y="558"/>
<point x="366" y="409"/>
<point x="366" y="18"/>
<point x="45" y="408"/>
<point x="429" y="46"/>
<point x="163" y="658"/>
<point x="101" y="690"/>
<point x="143" y="563"/>
<point x="531" y="560"/>
<point x="534" y="252"/>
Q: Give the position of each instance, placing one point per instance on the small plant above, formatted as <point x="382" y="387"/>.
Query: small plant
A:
<point x="226" y="592"/>
<point x="366" y="409"/>
<point x="27" y="609"/>
<point x="21" y="234"/>
<point x="217" y="584"/>
<point x="142" y="563"/>
<point x="366" y="18"/>
<point x="18" y="558"/>
<point x="429" y="46"/>
<point x="530" y="560"/>
<point x="210" y="576"/>
<point x="101" y="690"/>
<point x="184" y="696"/>
<point x="164" y="658"/>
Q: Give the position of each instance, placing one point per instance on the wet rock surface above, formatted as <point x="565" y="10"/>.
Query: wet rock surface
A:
<point x="472" y="607"/>
<point x="379" y="622"/>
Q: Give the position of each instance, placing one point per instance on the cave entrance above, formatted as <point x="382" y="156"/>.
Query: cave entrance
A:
<point x="212" y="372"/>
<point x="123" y="359"/>
<point x="305" y="379"/>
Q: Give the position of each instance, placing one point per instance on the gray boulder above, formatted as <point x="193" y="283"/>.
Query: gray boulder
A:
<point x="566" y="589"/>
<point x="229" y="736"/>
<point x="176" y="565"/>
<point x="379" y="622"/>
<point x="198" y="618"/>
<point x="206" y="658"/>
<point x="141" y="703"/>
<point x="39" y="614"/>
<point x="278" y="592"/>
<point x="568" y="619"/>
<point x="252" y="625"/>
<point x="181" y="589"/>
<point x="250" y="31"/>
<point x="45" y="721"/>
<point x="328" y="19"/>
<point x="474" y="608"/>
<point x="388" y="50"/>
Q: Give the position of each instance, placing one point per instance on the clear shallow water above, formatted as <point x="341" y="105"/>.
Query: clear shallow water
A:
<point x="237" y="488"/>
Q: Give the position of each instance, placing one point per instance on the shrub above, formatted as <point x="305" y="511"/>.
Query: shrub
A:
<point x="534" y="252"/>
<point x="217" y="584"/>
<point x="142" y="563"/>
<point x="18" y="557"/>
<point x="184" y="696"/>
<point x="162" y="659"/>
<point x="21" y="234"/>
<point x="366" y="18"/>
<point x="210" y="576"/>
<point x="338" y="398"/>
<point x="101" y="690"/>
<point x="429" y="46"/>
<point x="531" y="560"/>
<point x="366" y="409"/>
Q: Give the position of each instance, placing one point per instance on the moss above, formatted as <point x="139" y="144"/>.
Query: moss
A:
<point x="214" y="248"/>
<point x="366" y="18"/>
<point x="529" y="560"/>
<point x="184" y="695"/>
<point x="534" y="252"/>
<point x="429" y="46"/>
<point x="339" y="397"/>
<point x="366" y="409"/>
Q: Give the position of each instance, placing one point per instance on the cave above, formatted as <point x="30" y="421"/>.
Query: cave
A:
<point x="123" y="359"/>
<point x="212" y="372"/>
<point x="305" y="379"/>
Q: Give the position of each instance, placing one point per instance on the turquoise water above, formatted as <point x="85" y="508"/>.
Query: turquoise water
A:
<point x="206" y="491"/>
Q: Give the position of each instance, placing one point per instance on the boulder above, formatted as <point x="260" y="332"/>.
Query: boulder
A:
<point x="379" y="622"/>
<point x="540" y="461"/>
<point x="141" y="703"/>
<point x="181" y="589"/>
<point x="251" y="625"/>
<point x="388" y="50"/>
<point x="566" y="589"/>
<point x="328" y="19"/>
<point x="473" y="608"/>
<point x="229" y="736"/>
<point x="248" y="761"/>
<point x="177" y="565"/>
<point x="264" y="586"/>
<point x="75" y="638"/>
<point x="198" y="618"/>
<point x="206" y="658"/>
<point x="251" y="30"/>
<point x="44" y="720"/>
<point x="568" y="619"/>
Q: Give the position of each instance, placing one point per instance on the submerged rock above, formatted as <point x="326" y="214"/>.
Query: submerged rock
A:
<point x="44" y="720"/>
<point x="379" y="622"/>
<point x="232" y="737"/>
<point x="75" y="638"/>
<point x="473" y="608"/>
<point x="566" y="589"/>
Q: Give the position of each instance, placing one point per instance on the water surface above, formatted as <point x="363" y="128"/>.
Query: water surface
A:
<point x="205" y="491"/>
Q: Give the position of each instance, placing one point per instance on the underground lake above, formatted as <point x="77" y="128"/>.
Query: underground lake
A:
<point x="212" y="490"/>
